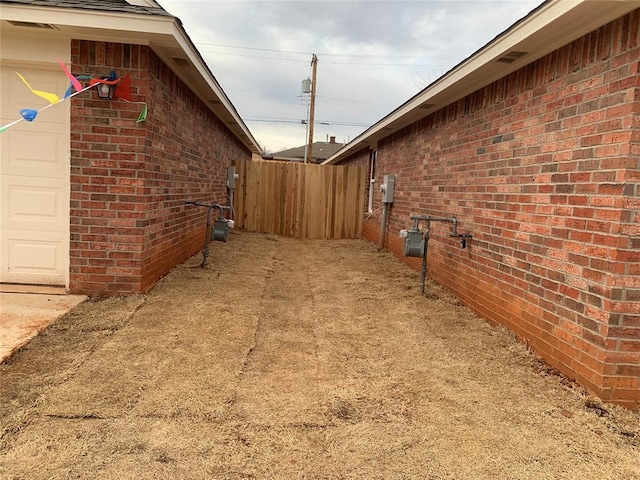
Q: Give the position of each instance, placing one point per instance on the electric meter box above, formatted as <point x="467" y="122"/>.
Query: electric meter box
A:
<point x="232" y="176"/>
<point x="387" y="188"/>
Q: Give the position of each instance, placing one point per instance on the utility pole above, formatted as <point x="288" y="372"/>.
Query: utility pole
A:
<point x="314" y="65"/>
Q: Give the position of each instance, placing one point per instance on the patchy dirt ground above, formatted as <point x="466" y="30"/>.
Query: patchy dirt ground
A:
<point x="286" y="359"/>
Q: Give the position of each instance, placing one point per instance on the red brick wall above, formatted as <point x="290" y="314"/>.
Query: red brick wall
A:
<point x="129" y="181"/>
<point x="542" y="167"/>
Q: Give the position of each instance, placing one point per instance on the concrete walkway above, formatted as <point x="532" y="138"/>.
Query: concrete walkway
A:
<point x="26" y="310"/>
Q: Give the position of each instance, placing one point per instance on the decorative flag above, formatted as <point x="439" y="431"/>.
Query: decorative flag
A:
<point x="110" y="80"/>
<point x="123" y="90"/>
<point x="70" y="88"/>
<point x="29" y="114"/>
<point x="50" y="97"/>
<point x="74" y="81"/>
<point x="143" y="114"/>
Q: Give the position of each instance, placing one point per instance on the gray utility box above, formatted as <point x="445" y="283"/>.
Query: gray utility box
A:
<point x="387" y="188"/>
<point x="414" y="244"/>
<point x="220" y="230"/>
<point x="232" y="176"/>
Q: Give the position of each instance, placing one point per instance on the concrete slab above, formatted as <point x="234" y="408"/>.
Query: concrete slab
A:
<point x="23" y="315"/>
<point x="15" y="288"/>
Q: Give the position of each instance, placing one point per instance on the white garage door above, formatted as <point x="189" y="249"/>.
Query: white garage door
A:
<point x="34" y="180"/>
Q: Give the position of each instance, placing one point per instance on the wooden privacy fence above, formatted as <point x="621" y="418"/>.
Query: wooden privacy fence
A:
<point x="299" y="200"/>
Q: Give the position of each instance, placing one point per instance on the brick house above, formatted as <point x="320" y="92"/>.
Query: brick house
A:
<point x="533" y="144"/>
<point x="92" y="200"/>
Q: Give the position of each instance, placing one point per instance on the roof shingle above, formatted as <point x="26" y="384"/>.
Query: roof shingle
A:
<point x="98" y="5"/>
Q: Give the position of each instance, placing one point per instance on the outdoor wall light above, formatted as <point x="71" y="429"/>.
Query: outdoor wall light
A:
<point x="106" y="87"/>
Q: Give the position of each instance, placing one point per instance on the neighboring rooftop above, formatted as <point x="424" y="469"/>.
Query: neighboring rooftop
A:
<point x="320" y="152"/>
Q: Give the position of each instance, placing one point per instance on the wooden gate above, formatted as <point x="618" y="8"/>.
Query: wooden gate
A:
<point x="299" y="200"/>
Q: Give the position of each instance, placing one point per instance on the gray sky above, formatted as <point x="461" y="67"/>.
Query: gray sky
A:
<point x="372" y="56"/>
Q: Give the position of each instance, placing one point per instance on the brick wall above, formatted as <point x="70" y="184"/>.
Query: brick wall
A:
<point x="129" y="181"/>
<point x="542" y="167"/>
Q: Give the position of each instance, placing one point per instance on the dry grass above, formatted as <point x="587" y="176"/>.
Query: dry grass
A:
<point x="288" y="359"/>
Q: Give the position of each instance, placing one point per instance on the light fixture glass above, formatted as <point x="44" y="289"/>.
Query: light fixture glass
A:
<point x="106" y="87"/>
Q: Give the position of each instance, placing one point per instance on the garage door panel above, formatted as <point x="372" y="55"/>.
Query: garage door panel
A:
<point x="35" y="150"/>
<point x="35" y="207"/>
<point x="34" y="258"/>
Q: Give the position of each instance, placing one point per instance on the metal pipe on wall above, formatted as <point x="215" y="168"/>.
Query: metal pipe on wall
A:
<point x="423" y="269"/>
<point x="387" y="188"/>
<point x="416" y="241"/>
<point x="207" y="235"/>
<point x="383" y="224"/>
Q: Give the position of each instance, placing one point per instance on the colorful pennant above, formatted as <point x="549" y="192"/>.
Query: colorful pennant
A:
<point x="143" y="114"/>
<point x="49" y="97"/>
<point x="29" y="114"/>
<point x="123" y="92"/>
<point x="74" y="81"/>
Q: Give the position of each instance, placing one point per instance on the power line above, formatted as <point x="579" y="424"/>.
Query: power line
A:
<point x="271" y="120"/>
<point x="262" y="57"/>
<point x="291" y="101"/>
<point x="358" y="101"/>
<point x="253" y="48"/>
<point x="326" y="54"/>
<point x="301" y="122"/>
<point x="259" y="56"/>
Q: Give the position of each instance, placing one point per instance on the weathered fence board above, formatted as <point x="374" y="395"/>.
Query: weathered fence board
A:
<point x="299" y="200"/>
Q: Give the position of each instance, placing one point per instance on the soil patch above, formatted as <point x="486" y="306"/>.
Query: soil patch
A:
<point x="297" y="359"/>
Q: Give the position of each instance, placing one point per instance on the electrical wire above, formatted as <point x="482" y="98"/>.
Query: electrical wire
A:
<point x="326" y="54"/>
<point x="373" y="213"/>
<point x="334" y="63"/>
<point x="357" y="101"/>
<point x="290" y="120"/>
<point x="324" y="62"/>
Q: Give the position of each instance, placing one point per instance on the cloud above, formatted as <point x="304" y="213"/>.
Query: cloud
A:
<point x="373" y="55"/>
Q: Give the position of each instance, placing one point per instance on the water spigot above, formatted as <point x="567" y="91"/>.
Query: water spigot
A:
<point x="463" y="238"/>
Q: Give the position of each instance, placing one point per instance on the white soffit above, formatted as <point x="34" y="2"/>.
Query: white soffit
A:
<point x="549" y="27"/>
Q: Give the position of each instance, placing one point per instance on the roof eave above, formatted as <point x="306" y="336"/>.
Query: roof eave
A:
<point x="552" y="25"/>
<point x="164" y="34"/>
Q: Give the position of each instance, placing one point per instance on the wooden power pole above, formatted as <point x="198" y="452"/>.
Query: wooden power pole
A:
<point x="314" y="65"/>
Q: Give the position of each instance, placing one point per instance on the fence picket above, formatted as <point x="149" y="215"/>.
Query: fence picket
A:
<point x="299" y="200"/>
